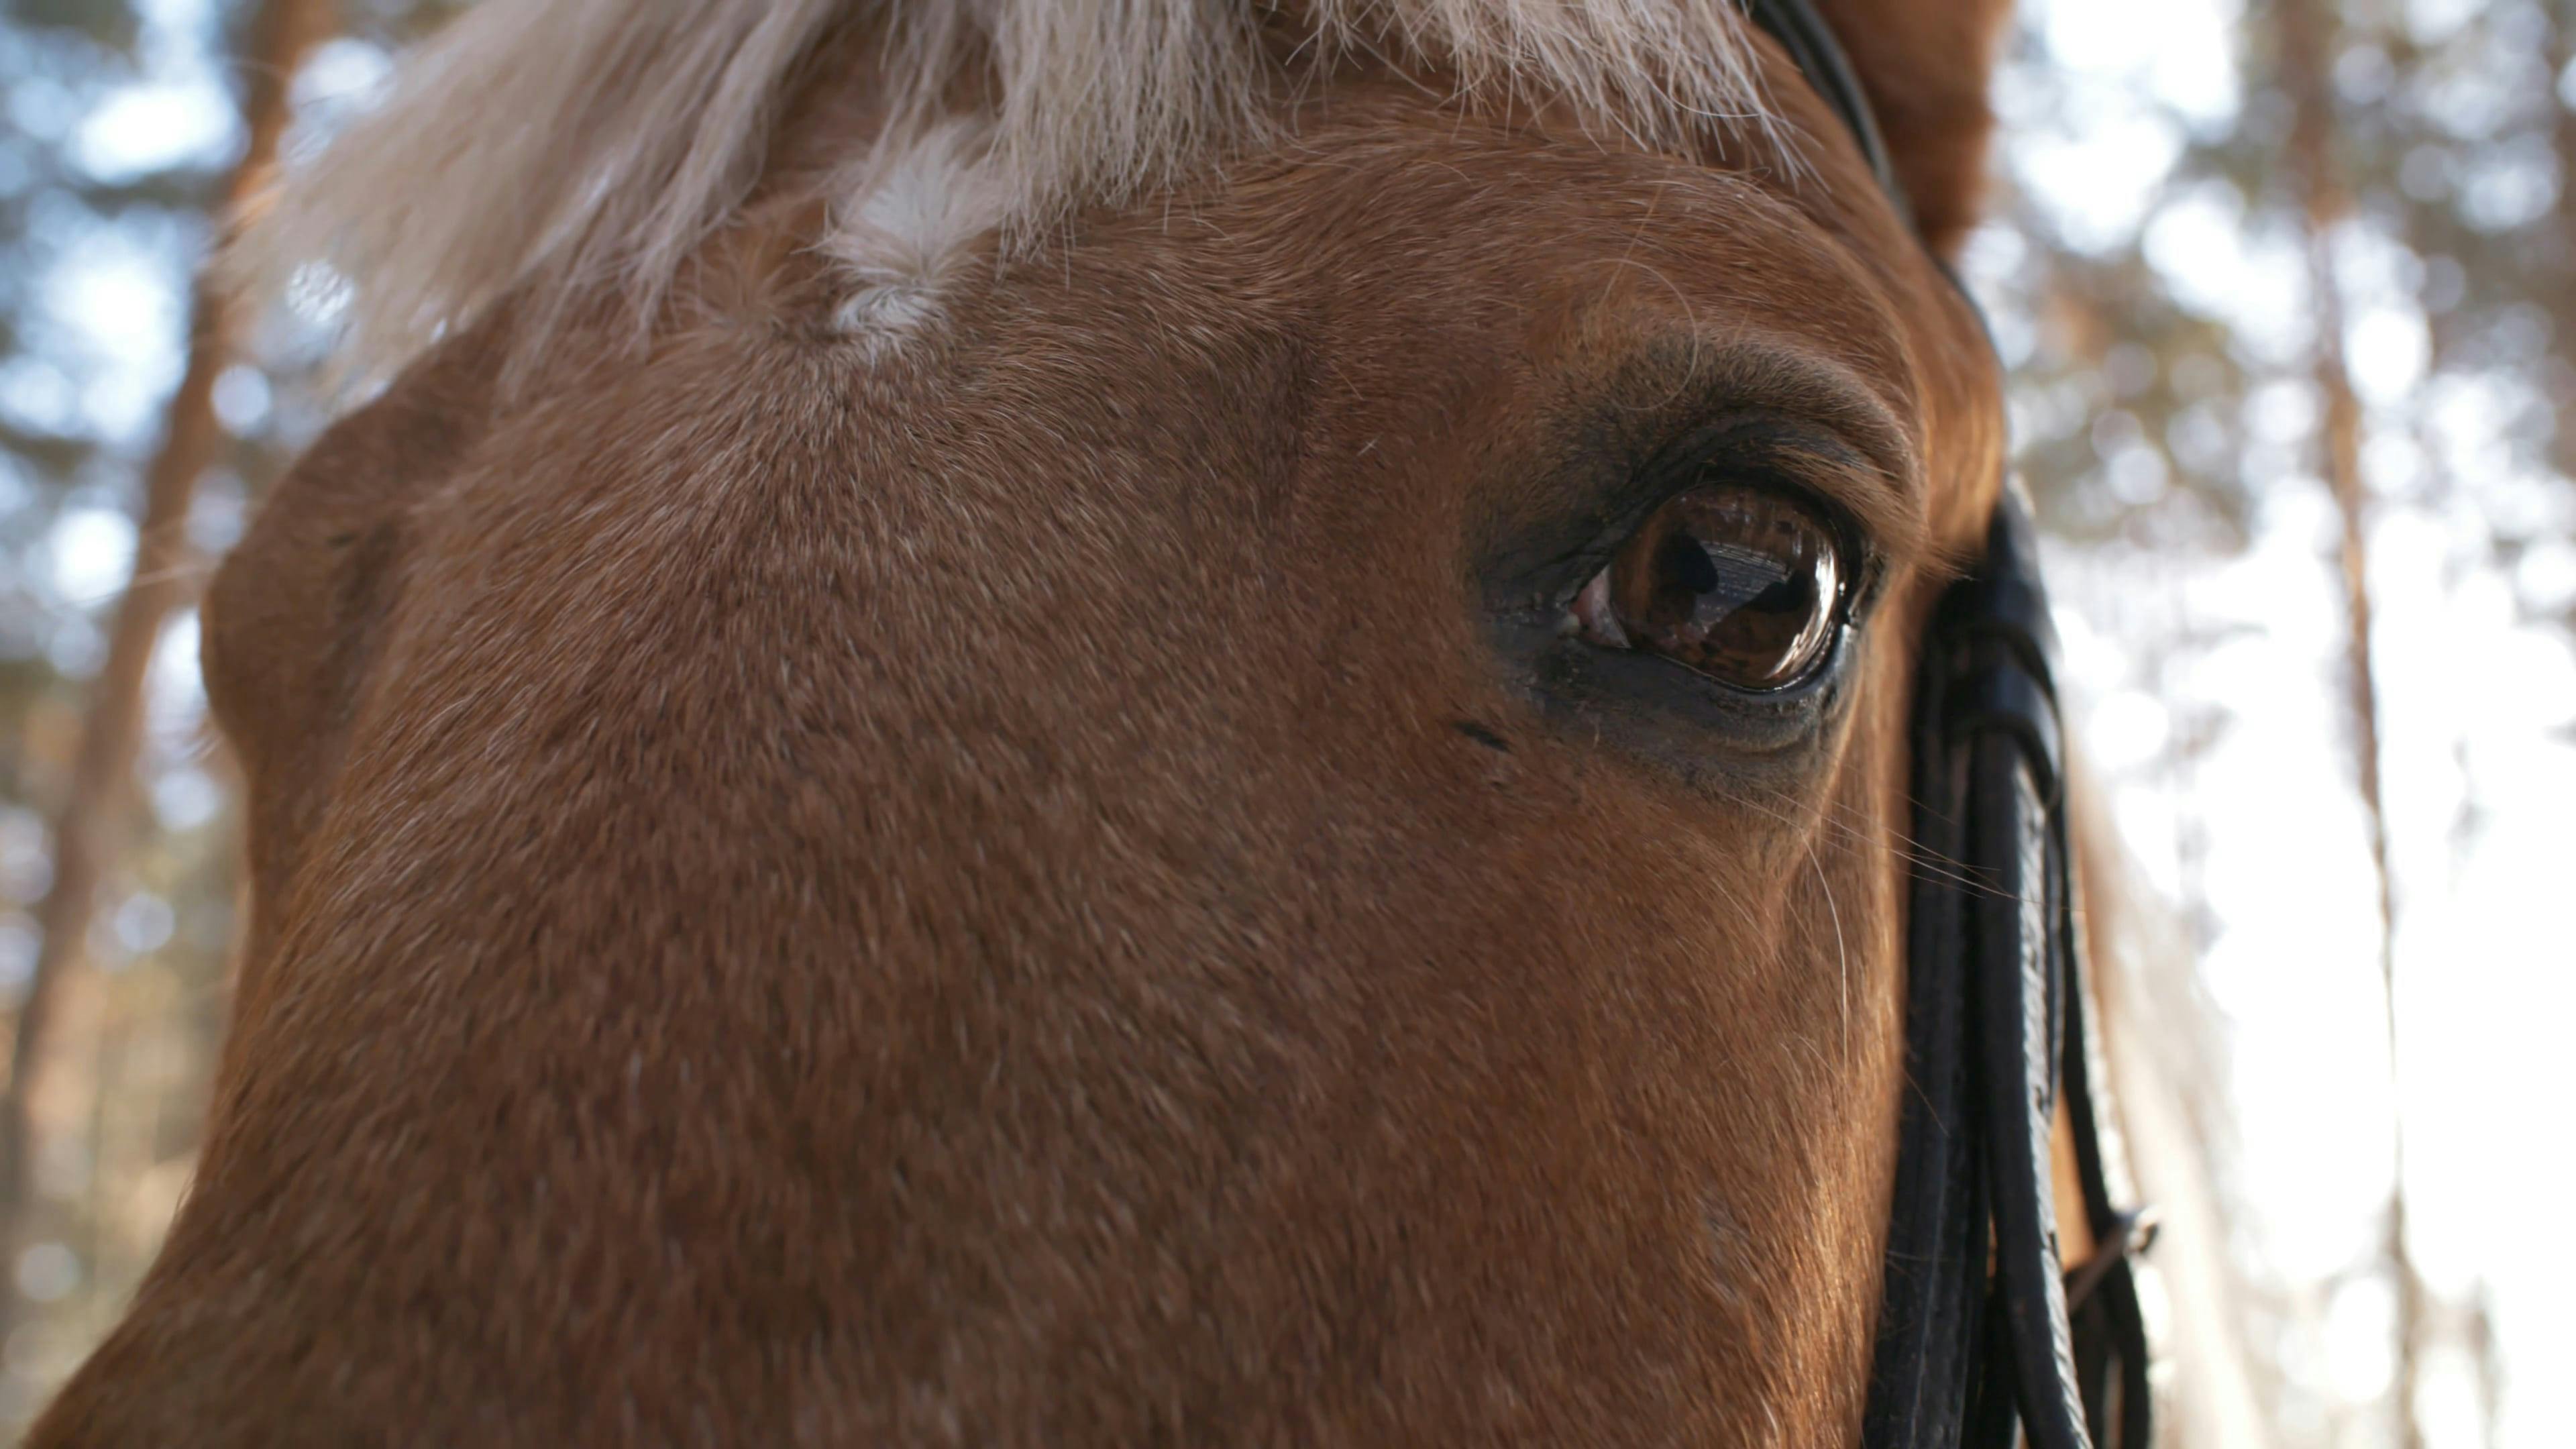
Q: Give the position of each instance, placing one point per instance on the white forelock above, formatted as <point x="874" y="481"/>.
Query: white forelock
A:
<point x="579" y="143"/>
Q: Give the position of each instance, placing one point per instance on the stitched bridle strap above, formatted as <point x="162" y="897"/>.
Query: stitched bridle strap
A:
<point x="1984" y="1336"/>
<point x="1999" y="749"/>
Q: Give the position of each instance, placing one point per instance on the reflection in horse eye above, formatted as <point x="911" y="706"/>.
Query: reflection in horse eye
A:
<point x="1742" y="584"/>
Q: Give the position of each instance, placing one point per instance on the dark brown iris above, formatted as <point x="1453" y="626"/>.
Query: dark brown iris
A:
<point x="1741" y="584"/>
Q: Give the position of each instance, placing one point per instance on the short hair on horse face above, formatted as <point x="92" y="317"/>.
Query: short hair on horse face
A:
<point x="571" y="144"/>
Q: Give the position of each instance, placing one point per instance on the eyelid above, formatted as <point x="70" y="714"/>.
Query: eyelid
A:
<point x="1874" y="508"/>
<point x="1860" y="455"/>
<point x="1848" y="495"/>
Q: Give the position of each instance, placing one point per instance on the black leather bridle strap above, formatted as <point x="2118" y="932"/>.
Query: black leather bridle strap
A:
<point x="1990" y="643"/>
<point x="1985" y="1339"/>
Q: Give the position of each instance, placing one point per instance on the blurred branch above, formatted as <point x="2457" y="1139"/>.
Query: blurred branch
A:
<point x="50" y="451"/>
<point x="2306" y="38"/>
<point x="2557" y="291"/>
<point x="96" y="803"/>
<point x="2488" y="1349"/>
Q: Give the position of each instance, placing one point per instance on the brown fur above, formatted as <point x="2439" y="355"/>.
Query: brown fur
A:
<point x="962" y="900"/>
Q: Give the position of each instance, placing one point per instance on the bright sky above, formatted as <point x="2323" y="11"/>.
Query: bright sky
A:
<point x="2480" y="718"/>
<point x="2481" y="712"/>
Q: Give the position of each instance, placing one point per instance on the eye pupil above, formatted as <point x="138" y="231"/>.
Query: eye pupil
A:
<point x="1741" y="584"/>
<point x="1686" y="562"/>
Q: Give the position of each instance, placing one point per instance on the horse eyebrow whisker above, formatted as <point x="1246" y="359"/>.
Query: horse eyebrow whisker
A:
<point x="1842" y="952"/>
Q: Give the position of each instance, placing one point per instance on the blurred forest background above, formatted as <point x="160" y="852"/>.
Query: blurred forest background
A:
<point x="2289" y="290"/>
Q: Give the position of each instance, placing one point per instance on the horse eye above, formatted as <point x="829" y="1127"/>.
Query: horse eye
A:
<point x="1742" y="584"/>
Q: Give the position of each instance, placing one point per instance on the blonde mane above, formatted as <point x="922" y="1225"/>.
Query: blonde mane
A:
<point x="585" y="143"/>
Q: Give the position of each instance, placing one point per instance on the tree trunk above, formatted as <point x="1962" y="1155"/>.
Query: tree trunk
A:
<point x="2554" y="269"/>
<point x="95" y="806"/>
<point x="2306" y="56"/>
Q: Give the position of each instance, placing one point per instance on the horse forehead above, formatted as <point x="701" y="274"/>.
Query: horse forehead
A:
<point x="890" y="334"/>
<point x="1391" y="212"/>
<point x="1130" y="406"/>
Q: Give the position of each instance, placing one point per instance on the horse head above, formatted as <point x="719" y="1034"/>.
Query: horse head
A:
<point x="1088" y="724"/>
